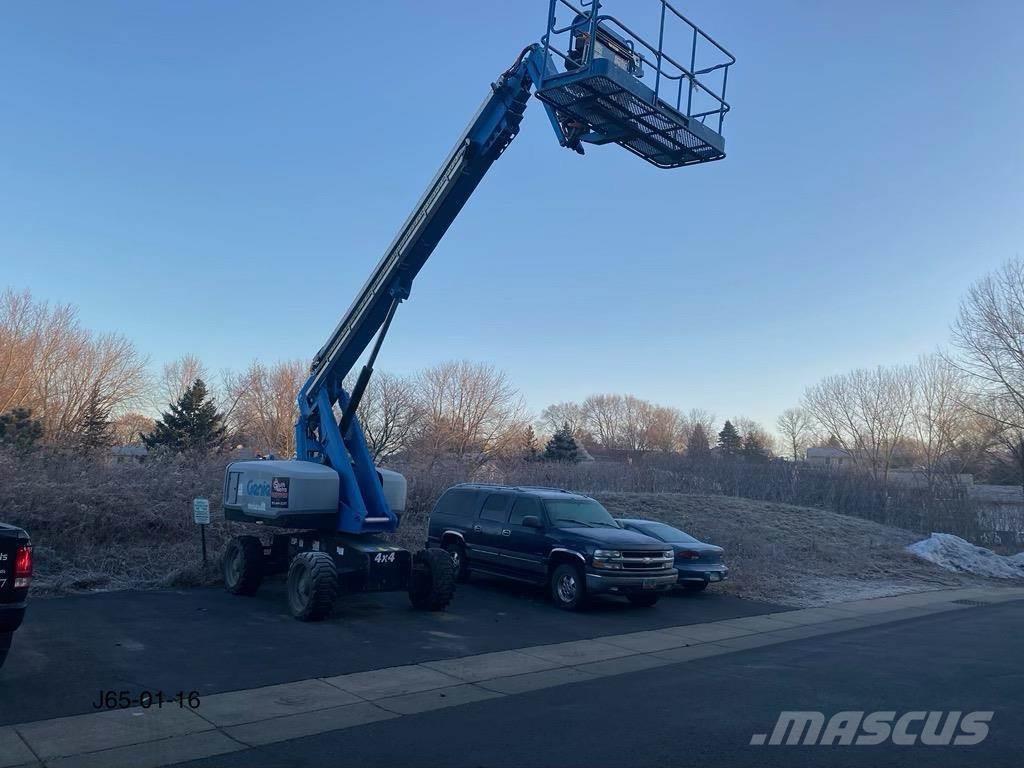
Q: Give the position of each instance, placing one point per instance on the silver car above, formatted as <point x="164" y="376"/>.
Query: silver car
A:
<point x="699" y="564"/>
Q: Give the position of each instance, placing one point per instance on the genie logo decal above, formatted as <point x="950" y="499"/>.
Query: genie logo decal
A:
<point x="257" y="488"/>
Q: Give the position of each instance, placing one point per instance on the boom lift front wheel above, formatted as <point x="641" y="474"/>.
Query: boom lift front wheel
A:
<point x="312" y="586"/>
<point x="432" y="582"/>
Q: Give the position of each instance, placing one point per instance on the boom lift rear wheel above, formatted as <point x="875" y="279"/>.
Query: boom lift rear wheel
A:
<point x="432" y="582"/>
<point x="243" y="565"/>
<point x="312" y="586"/>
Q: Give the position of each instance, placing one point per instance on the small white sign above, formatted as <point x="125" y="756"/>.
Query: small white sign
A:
<point x="201" y="511"/>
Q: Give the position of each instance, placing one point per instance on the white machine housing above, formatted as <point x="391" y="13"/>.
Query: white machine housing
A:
<point x="295" y="494"/>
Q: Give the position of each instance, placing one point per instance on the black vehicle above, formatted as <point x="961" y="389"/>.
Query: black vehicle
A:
<point x="15" y="575"/>
<point x="552" y="537"/>
<point x="697" y="562"/>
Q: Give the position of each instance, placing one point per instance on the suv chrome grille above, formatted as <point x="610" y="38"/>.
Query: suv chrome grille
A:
<point x="645" y="560"/>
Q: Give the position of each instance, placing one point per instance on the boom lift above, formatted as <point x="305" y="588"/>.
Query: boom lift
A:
<point x="600" y="82"/>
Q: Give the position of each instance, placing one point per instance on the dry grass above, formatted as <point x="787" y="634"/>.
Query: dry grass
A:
<point x="102" y="525"/>
<point x="788" y="554"/>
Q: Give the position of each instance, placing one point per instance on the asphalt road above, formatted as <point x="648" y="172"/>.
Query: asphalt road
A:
<point x="69" y="649"/>
<point x="704" y="712"/>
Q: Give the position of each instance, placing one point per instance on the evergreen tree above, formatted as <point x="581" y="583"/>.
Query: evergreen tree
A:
<point x="697" y="444"/>
<point x="18" y="430"/>
<point x="729" y="440"/>
<point x="192" y="423"/>
<point x="562" y="446"/>
<point x="833" y="442"/>
<point x="95" y="429"/>
<point x="529" y="444"/>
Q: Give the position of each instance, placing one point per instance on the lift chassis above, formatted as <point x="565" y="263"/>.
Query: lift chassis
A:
<point x="599" y="83"/>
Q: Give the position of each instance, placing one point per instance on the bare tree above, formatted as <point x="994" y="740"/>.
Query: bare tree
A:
<point x="555" y="416"/>
<point x="797" y="429"/>
<point x="989" y="335"/>
<point x="265" y="409"/>
<point x="866" y="410"/>
<point x="176" y="377"/>
<point x="63" y="373"/>
<point x="129" y="426"/>
<point x="604" y="416"/>
<point x="390" y="413"/>
<point x="470" y="410"/>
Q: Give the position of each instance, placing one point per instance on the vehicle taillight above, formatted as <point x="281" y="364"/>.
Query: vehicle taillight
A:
<point x="22" y="566"/>
<point x="688" y="554"/>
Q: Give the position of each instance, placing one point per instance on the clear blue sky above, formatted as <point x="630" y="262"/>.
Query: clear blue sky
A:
<point x="219" y="178"/>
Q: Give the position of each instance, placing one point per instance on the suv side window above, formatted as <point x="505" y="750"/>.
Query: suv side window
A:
<point x="525" y="505"/>
<point x="495" y="508"/>
<point x="458" y="503"/>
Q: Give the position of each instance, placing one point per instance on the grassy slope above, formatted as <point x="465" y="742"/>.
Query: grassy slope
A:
<point x="789" y="554"/>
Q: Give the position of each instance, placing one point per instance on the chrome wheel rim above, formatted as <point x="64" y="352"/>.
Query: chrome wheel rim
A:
<point x="456" y="559"/>
<point x="567" y="588"/>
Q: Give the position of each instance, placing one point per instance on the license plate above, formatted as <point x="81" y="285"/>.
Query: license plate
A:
<point x="648" y="584"/>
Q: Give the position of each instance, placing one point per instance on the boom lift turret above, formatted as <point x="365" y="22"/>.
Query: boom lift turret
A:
<point x="600" y="83"/>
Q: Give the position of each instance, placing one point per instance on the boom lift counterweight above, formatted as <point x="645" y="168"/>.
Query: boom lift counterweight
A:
<point x="597" y="91"/>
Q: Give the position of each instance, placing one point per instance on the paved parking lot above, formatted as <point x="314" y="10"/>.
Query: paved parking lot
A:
<point x="71" y="648"/>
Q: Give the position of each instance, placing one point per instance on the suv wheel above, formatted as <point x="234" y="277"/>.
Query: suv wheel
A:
<point x="457" y="551"/>
<point x="568" y="587"/>
<point x="644" y="601"/>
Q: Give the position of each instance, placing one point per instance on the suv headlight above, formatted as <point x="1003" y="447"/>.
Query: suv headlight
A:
<point x="607" y="559"/>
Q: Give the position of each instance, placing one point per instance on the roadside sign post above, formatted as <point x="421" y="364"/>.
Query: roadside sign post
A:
<point x="201" y="516"/>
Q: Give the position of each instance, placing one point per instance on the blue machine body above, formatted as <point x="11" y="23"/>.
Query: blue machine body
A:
<point x="327" y="430"/>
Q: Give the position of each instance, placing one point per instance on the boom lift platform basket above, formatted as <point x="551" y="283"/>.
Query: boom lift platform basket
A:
<point x="627" y="90"/>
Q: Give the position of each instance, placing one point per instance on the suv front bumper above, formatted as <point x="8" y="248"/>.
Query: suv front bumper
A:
<point x="602" y="583"/>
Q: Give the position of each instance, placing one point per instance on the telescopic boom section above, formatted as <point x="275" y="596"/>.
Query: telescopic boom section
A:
<point x="319" y="436"/>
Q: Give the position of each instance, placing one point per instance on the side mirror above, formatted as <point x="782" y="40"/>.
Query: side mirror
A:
<point x="532" y="521"/>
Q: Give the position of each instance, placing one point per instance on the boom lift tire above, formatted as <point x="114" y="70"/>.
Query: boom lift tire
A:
<point x="312" y="586"/>
<point x="243" y="565"/>
<point x="457" y="551"/>
<point x="432" y="584"/>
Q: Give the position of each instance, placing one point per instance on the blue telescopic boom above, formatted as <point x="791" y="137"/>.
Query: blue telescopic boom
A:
<point x="319" y="434"/>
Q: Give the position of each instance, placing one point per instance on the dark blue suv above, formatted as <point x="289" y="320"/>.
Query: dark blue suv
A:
<point x="564" y="540"/>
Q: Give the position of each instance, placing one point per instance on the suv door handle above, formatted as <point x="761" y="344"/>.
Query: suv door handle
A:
<point x="506" y="532"/>
<point x="477" y="529"/>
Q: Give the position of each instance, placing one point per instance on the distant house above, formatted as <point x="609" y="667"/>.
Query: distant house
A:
<point x="827" y="456"/>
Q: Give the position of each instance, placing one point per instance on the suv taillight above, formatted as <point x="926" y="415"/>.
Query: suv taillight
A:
<point x="23" y="566"/>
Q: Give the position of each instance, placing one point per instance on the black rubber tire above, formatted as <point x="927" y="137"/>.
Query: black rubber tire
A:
<point x="579" y="592"/>
<point x="695" y="588"/>
<point x="5" y="646"/>
<point x="432" y="584"/>
<point x="242" y="565"/>
<point x="644" y="601"/>
<point x="312" y="586"/>
<point x="457" y="551"/>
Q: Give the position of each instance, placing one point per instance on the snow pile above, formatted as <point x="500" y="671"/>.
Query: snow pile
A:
<point x="954" y="554"/>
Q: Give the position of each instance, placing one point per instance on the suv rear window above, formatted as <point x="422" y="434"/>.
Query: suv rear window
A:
<point x="458" y="502"/>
